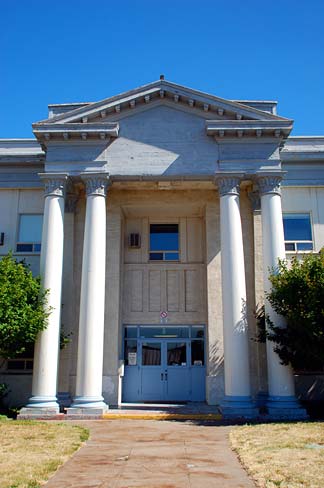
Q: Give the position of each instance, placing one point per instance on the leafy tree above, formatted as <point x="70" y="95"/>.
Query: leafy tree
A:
<point x="23" y="312"/>
<point x="298" y="295"/>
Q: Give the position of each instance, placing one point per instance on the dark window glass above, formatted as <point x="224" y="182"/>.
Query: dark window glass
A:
<point x="16" y="364"/>
<point x="197" y="332"/>
<point x="197" y="353"/>
<point x="37" y="247"/>
<point x="151" y="354"/>
<point x="130" y="352"/>
<point x="130" y="332"/>
<point x="156" y="256"/>
<point x="297" y="227"/>
<point x="177" y="354"/>
<point x="24" y="247"/>
<point x="171" y="332"/>
<point x="164" y="237"/>
<point x="290" y="246"/>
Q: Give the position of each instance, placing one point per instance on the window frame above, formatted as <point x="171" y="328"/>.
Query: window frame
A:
<point x="34" y="250"/>
<point x="295" y="242"/>
<point x="161" y="251"/>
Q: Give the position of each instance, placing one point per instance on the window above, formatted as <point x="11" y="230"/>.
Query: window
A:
<point x="23" y="362"/>
<point x="298" y="232"/>
<point x="164" y="242"/>
<point x="29" y="233"/>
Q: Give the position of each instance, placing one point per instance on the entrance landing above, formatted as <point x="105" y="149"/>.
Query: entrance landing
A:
<point x="164" y="411"/>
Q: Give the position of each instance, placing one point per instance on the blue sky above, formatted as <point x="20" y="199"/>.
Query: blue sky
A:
<point x="76" y="50"/>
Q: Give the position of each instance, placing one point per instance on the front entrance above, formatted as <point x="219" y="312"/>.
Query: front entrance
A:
<point x="164" y="364"/>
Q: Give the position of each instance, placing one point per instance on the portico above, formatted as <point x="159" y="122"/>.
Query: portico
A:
<point x="161" y="160"/>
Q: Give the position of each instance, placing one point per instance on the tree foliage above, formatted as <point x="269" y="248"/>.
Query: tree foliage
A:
<point x="298" y="295"/>
<point x="22" y="307"/>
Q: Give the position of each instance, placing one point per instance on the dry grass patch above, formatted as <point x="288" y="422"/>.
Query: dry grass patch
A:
<point x="31" y="451"/>
<point x="285" y="455"/>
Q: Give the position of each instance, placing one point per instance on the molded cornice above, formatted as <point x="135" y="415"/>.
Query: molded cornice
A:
<point x="104" y="130"/>
<point x="162" y="89"/>
<point x="251" y="128"/>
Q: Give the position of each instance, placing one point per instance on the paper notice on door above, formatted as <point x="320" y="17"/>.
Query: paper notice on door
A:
<point x="132" y="358"/>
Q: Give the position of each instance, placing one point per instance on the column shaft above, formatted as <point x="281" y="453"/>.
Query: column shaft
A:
<point x="281" y="387"/>
<point x="92" y="302"/>
<point x="236" y="350"/>
<point x="51" y="263"/>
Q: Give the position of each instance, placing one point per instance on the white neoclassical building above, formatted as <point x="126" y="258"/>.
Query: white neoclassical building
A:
<point x="153" y="218"/>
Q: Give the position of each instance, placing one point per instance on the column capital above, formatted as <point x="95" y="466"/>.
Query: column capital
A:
<point x="96" y="183"/>
<point x="228" y="184"/>
<point x="269" y="184"/>
<point x="54" y="183"/>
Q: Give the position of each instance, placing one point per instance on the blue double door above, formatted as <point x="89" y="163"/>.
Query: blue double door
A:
<point x="164" y="373"/>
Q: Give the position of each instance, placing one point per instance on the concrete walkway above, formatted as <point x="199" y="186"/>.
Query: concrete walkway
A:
<point x="153" y="454"/>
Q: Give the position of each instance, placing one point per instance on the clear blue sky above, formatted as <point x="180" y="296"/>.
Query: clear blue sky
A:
<point x="75" y="50"/>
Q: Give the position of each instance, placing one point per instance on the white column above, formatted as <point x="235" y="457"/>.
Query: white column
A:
<point x="235" y="327"/>
<point x="92" y="302"/>
<point x="51" y="263"/>
<point x="280" y="377"/>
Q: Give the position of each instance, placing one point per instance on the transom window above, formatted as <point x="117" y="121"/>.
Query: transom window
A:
<point x="30" y="233"/>
<point x="298" y="232"/>
<point x="164" y="242"/>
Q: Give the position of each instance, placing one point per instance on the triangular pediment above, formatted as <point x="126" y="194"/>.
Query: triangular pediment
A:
<point x="161" y="92"/>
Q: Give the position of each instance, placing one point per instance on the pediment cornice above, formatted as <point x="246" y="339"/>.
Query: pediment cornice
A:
<point x="161" y="90"/>
<point x="251" y="128"/>
<point x="84" y="131"/>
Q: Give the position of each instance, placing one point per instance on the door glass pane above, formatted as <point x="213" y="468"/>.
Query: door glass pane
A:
<point x="130" y="332"/>
<point x="177" y="354"/>
<point x="130" y="352"/>
<point x="151" y="354"/>
<point x="197" y="332"/>
<point x="167" y="332"/>
<point x="197" y="353"/>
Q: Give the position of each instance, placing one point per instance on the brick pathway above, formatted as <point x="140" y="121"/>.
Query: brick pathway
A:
<point x="152" y="454"/>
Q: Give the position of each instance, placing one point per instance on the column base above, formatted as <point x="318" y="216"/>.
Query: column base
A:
<point x="285" y="407"/>
<point x="235" y="407"/>
<point x="87" y="406"/>
<point x="40" y="407"/>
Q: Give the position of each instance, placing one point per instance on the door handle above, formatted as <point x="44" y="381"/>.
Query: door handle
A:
<point x="161" y="376"/>
<point x="166" y="376"/>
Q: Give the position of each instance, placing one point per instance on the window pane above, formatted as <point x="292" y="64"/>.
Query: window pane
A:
<point x="197" y="353"/>
<point x="177" y="354"/>
<point x="304" y="246"/>
<point x="164" y="237"/>
<point x="297" y="227"/>
<point x="130" y="332"/>
<point x="24" y="248"/>
<point x="30" y="228"/>
<point x="171" y="256"/>
<point x="156" y="256"/>
<point x="130" y="354"/>
<point x="197" y="332"/>
<point x="289" y="246"/>
<point x="151" y="354"/>
<point x="157" y="332"/>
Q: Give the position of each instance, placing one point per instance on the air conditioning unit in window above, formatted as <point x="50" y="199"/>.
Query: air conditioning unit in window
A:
<point x="134" y="241"/>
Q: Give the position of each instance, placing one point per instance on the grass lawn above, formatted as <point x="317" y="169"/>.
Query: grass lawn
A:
<point x="285" y="455"/>
<point x="31" y="451"/>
